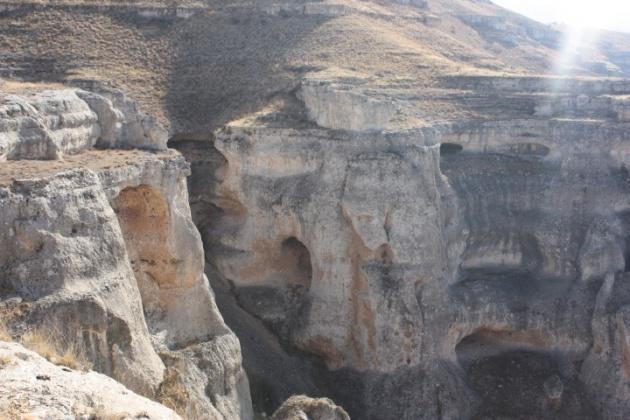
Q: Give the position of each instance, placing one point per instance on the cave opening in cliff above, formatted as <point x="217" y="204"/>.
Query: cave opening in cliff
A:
<point x="514" y="375"/>
<point x="284" y="303"/>
<point x="450" y="148"/>
<point x="297" y="259"/>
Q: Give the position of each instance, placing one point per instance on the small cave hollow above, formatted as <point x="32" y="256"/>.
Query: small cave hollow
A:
<point x="624" y="218"/>
<point x="143" y="216"/>
<point x="626" y="255"/>
<point x="513" y="376"/>
<point x="529" y="149"/>
<point x="450" y="148"/>
<point x="297" y="263"/>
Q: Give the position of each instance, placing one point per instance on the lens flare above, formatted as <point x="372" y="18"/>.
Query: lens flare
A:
<point x="576" y="43"/>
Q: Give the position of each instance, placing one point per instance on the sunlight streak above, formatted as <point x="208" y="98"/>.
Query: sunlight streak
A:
<point x="575" y="42"/>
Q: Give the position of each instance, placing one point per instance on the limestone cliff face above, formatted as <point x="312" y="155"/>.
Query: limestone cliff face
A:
<point x="430" y="259"/>
<point x="99" y="250"/>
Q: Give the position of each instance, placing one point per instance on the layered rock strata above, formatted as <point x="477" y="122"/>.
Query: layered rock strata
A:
<point x="49" y="124"/>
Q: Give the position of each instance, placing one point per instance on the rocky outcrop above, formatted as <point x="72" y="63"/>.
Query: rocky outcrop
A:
<point x="122" y="124"/>
<point x="49" y="124"/>
<point x="101" y="251"/>
<point x="606" y="369"/>
<point x="35" y="388"/>
<point x="338" y="108"/>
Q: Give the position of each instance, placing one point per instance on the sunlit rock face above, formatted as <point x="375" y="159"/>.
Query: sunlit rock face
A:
<point x="431" y="259"/>
<point x="343" y="109"/>
<point x="301" y="406"/>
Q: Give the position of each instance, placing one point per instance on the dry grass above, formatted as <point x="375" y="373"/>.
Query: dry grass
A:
<point x="4" y="336"/>
<point x="100" y="412"/>
<point x="16" y="410"/>
<point x="4" y="331"/>
<point x="5" y="360"/>
<point x="136" y="3"/>
<point x="64" y="354"/>
<point x="14" y="86"/>
<point x="172" y="392"/>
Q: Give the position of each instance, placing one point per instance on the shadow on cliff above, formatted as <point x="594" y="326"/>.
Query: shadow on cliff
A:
<point x="230" y="65"/>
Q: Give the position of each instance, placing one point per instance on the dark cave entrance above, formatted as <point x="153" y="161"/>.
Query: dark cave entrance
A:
<point x="283" y="303"/>
<point x="626" y="255"/>
<point x="450" y="148"/>
<point x="297" y="263"/>
<point x="513" y="378"/>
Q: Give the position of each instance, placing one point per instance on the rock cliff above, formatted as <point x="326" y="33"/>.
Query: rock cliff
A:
<point x="100" y="250"/>
<point x="431" y="259"/>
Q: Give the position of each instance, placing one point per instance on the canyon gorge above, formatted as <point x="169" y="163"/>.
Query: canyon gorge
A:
<point x="276" y="209"/>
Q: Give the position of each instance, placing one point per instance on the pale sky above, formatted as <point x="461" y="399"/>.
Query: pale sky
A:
<point x="600" y="14"/>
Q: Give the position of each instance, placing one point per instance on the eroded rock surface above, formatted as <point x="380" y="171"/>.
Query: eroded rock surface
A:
<point x="398" y="207"/>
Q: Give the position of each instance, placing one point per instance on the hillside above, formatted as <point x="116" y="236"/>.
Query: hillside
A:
<point x="224" y="60"/>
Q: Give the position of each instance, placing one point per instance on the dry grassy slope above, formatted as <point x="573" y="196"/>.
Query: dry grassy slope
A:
<point x="232" y="58"/>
